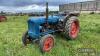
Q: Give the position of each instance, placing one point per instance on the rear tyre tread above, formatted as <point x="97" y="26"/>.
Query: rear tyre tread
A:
<point x="67" y="27"/>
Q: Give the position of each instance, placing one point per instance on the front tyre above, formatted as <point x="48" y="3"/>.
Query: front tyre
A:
<point x="72" y="28"/>
<point x="26" y="39"/>
<point x="46" y="43"/>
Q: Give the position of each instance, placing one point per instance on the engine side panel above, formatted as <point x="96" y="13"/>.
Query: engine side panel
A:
<point x="34" y="25"/>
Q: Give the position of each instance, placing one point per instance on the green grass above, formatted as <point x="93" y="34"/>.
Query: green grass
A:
<point x="11" y="38"/>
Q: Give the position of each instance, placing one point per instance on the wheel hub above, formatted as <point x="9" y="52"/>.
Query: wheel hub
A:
<point x="48" y="44"/>
<point x="74" y="29"/>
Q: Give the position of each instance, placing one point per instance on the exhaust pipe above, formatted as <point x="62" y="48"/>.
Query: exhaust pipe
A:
<point x="47" y="11"/>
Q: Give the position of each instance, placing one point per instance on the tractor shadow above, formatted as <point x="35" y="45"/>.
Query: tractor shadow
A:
<point x="61" y="39"/>
<point x="61" y="36"/>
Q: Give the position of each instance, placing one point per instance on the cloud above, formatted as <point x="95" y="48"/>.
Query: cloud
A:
<point x="29" y="8"/>
<point x="37" y="8"/>
<point x="32" y="5"/>
<point x="19" y="3"/>
<point x="7" y="9"/>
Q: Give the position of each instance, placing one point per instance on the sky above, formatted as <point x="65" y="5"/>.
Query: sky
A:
<point x="32" y="5"/>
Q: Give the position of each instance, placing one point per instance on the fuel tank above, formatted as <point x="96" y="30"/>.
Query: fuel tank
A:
<point x="41" y="20"/>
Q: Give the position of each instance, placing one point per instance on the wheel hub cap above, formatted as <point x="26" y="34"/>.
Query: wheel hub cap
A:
<point x="74" y="29"/>
<point x="48" y="44"/>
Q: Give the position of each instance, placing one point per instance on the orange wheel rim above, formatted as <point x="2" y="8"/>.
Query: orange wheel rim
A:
<point x="74" y="29"/>
<point x="48" y="44"/>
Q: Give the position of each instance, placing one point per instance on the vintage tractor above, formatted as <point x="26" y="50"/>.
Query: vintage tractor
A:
<point x="42" y="29"/>
<point x="2" y="18"/>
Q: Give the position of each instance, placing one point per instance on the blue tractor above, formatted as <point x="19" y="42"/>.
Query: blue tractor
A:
<point x="42" y="29"/>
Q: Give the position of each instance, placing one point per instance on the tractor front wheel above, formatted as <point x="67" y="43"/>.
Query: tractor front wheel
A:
<point x="26" y="39"/>
<point x="72" y="28"/>
<point x="46" y="43"/>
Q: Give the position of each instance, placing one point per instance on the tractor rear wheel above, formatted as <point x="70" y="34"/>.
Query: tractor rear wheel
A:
<point x="72" y="28"/>
<point x="46" y="43"/>
<point x="26" y="39"/>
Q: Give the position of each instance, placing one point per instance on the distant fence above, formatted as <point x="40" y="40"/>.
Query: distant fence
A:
<point x="81" y="6"/>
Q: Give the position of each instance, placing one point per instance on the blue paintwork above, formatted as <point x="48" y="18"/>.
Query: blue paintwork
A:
<point x="35" y="22"/>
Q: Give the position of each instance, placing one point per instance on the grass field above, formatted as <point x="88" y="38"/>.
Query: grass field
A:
<point x="11" y="38"/>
